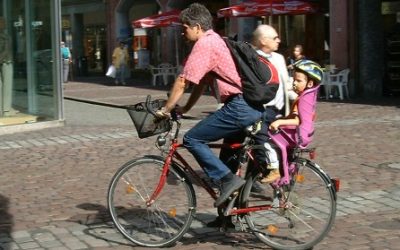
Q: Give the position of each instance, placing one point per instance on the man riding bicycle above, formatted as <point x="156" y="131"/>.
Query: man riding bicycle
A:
<point x="211" y="58"/>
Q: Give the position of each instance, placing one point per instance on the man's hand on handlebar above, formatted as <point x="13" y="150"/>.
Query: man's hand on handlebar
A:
<point x="162" y="113"/>
<point x="175" y="114"/>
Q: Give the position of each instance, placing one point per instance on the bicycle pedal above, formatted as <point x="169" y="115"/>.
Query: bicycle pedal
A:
<point x="230" y="206"/>
<point x="233" y="196"/>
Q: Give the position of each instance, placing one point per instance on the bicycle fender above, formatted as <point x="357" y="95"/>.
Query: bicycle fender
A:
<point x="324" y="175"/>
<point x="154" y="157"/>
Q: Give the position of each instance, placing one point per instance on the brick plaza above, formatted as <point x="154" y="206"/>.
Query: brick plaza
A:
<point x="54" y="181"/>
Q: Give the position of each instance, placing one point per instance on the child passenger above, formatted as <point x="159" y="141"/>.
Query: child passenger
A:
<point x="307" y="74"/>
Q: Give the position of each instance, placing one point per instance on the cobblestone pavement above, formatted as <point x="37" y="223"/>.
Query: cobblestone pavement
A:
<point x="54" y="181"/>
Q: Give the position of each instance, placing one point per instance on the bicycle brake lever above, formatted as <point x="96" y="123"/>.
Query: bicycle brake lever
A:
<point x="175" y="115"/>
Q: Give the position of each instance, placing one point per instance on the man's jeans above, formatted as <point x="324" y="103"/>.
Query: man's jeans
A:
<point x="227" y="121"/>
<point x="226" y="154"/>
<point x="120" y="74"/>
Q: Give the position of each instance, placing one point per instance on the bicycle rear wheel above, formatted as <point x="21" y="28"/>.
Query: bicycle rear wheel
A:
<point x="166" y="220"/>
<point x="301" y="213"/>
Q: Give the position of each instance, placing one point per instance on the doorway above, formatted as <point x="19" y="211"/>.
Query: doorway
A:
<point x="28" y="72"/>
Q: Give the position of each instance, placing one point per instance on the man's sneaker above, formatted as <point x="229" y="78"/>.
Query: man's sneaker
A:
<point x="229" y="184"/>
<point x="219" y="222"/>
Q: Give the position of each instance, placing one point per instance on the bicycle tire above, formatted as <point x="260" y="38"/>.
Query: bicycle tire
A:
<point x="311" y="211"/>
<point x="167" y="219"/>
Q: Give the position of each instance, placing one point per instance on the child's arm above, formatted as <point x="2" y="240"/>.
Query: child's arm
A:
<point x="293" y="120"/>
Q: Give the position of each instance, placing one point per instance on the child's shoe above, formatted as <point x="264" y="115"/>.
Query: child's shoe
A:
<point x="271" y="177"/>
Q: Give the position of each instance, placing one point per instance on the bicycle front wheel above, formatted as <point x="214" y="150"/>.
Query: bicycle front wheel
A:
<point x="300" y="214"/>
<point x="163" y="222"/>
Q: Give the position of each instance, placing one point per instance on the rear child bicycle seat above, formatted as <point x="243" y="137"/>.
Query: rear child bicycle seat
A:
<point x="300" y="136"/>
<point x="290" y="137"/>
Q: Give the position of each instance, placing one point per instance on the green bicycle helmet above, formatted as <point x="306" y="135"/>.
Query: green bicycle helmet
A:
<point x="310" y="68"/>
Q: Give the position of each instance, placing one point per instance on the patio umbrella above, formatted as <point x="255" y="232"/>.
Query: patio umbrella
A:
<point x="267" y="8"/>
<point x="165" y="19"/>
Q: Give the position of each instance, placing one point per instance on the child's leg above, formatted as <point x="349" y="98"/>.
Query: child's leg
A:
<point x="272" y="166"/>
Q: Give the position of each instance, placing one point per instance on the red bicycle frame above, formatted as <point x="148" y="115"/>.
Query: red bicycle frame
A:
<point x="173" y="153"/>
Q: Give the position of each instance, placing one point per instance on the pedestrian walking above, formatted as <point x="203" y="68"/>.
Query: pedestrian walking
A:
<point x="66" y="60"/>
<point x="120" y="58"/>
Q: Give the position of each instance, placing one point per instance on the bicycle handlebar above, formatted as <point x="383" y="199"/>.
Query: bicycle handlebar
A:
<point x="150" y="109"/>
<point x="174" y="114"/>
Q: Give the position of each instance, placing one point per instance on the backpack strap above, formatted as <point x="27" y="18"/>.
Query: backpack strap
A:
<point x="274" y="72"/>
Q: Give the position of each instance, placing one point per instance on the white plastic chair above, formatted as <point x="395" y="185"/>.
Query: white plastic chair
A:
<point x="163" y="70"/>
<point x="340" y="80"/>
<point x="325" y="83"/>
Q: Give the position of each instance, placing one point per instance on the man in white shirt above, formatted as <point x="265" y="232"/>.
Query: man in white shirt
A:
<point x="267" y="41"/>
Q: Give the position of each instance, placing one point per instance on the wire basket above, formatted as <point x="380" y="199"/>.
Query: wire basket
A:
<point x="146" y="123"/>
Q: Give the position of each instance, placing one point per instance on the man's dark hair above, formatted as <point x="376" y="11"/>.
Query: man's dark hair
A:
<point x="197" y="14"/>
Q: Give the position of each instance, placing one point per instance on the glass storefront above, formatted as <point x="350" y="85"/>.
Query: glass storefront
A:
<point x="29" y="75"/>
<point x="95" y="49"/>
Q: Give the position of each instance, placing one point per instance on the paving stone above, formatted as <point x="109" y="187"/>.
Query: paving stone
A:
<point x="52" y="187"/>
<point x="43" y="237"/>
<point x="5" y="238"/>
<point x="20" y="234"/>
<point x="9" y="246"/>
<point x="29" y="245"/>
<point x="60" y="248"/>
<point x="51" y="244"/>
<point x="23" y="240"/>
<point x="74" y="245"/>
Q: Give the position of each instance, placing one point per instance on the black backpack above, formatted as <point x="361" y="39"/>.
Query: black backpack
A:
<point x="260" y="80"/>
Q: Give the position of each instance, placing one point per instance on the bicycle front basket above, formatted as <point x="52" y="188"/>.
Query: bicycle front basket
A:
<point x="147" y="124"/>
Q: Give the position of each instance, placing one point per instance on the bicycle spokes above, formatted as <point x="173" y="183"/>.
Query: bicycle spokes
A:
<point x="299" y="178"/>
<point x="164" y="220"/>
<point x="272" y="229"/>
<point x="301" y="213"/>
<point x="130" y="189"/>
<point x="172" y="212"/>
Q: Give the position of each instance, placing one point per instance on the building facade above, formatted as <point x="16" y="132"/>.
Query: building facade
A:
<point x="30" y="90"/>
<point x="362" y="35"/>
<point x="354" y="34"/>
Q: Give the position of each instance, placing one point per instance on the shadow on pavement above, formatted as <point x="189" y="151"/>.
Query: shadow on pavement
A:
<point x="100" y="214"/>
<point x="6" y="221"/>
<point x="99" y="224"/>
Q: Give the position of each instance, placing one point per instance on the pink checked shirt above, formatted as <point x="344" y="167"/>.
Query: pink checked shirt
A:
<point x="210" y="54"/>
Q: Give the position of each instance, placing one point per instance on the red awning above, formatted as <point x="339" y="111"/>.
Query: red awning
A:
<point x="160" y="20"/>
<point x="268" y="8"/>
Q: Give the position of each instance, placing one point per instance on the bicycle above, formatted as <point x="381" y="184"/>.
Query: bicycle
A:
<point x="297" y="212"/>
